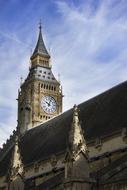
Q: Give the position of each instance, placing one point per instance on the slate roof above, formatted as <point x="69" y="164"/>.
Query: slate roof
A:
<point x="43" y="74"/>
<point x="100" y="116"/>
<point x="40" y="47"/>
<point x="52" y="182"/>
<point x="114" y="172"/>
<point x="119" y="177"/>
<point x="5" y="163"/>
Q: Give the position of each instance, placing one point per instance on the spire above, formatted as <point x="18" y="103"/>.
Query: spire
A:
<point x="40" y="47"/>
<point x="76" y="158"/>
<point x="76" y="138"/>
<point x="16" y="162"/>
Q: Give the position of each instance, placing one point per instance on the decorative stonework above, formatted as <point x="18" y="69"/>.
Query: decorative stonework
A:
<point x="16" y="162"/>
<point x="76" y="158"/>
<point x="124" y="134"/>
<point x="98" y="144"/>
<point x="53" y="161"/>
<point x="76" y="138"/>
<point x="36" y="167"/>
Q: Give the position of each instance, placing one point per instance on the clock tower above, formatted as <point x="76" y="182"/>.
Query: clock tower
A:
<point x="40" y="96"/>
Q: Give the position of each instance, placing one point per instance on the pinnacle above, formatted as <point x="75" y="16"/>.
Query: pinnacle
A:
<point x="76" y="137"/>
<point x="40" y="47"/>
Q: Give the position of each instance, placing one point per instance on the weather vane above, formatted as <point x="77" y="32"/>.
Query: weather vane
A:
<point x="40" y="24"/>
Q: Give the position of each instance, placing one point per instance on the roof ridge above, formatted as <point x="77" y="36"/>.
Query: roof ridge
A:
<point x="105" y="91"/>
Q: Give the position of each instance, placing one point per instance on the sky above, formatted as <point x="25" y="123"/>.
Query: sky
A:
<point x="87" y="40"/>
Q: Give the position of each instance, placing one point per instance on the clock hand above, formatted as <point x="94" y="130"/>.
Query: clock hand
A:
<point x="47" y="103"/>
<point x="50" y="101"/>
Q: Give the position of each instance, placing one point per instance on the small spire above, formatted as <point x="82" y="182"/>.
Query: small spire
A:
<point x="16" y="162"/>
<point x="16" y="140"/>
<point x="21" y="81"/>
<point x="75" y="112"/>
<point x="77" y="154"/>
<point x="76" y="138"/>
<point x="40" y="48"/>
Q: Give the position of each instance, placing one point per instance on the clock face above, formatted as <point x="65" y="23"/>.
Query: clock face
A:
<point x="48" y="104"/>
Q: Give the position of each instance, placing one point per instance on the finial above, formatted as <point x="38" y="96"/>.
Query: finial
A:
<point x="16" y="139"/>
<point x="59" y="77"/>
<point x="49" y="50"/>
<point x="21" y="80"/>
<point x="40" y="25"/>
<point x="75" y="108"/>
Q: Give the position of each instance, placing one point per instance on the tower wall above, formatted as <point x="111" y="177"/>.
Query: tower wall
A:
<point x="40" y="97"/>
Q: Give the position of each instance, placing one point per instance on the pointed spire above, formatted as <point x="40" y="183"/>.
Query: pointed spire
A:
<point x="40" y="47"/>
<point x="76" y="138"/>
<point x="76" y="158"/>
<point x="16" y="162"/>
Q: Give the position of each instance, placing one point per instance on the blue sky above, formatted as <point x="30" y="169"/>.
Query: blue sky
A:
<point x="87" y="41"/>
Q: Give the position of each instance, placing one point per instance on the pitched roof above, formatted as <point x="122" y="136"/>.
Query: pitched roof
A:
<point x="40" y="47"/>
<point x="100" y="116"/>
<point x="115" y="171"/>
<point x="6" y="162"/>
<point x="52" y="182"/>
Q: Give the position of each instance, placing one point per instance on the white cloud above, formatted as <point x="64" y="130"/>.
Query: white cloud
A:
<point x="91" y="48"/>
<point x="13" y="54"/>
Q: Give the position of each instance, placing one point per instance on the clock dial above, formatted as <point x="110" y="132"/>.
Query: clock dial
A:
<point x="48" y="104"/>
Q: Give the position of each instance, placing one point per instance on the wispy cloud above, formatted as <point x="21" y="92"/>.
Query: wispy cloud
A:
<point x="14" y="58"/>
<point x="91" y="48"/>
